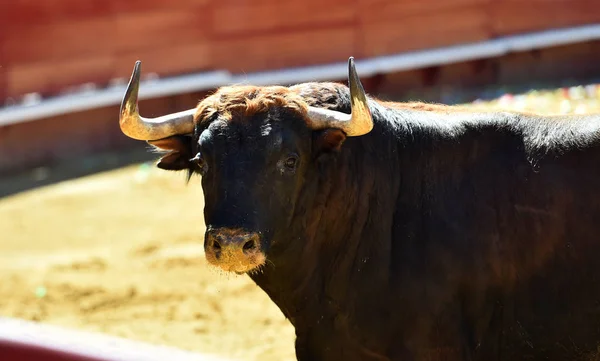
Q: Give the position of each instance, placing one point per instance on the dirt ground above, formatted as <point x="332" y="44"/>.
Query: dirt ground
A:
<point x="121" y="252"/>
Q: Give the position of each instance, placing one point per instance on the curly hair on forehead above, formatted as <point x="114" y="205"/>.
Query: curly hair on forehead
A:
<point x="247" y="100"/>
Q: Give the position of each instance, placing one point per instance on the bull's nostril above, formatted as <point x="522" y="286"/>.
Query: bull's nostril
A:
<point x="250" y="245"/>
<point x="216" y="245"/>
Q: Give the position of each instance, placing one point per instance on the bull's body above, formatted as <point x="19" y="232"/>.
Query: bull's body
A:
<point x="440" y="234"/>
<point x="450" y="235"/>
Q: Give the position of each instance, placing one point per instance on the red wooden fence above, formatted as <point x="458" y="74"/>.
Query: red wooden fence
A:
<point x="47" y="46"/>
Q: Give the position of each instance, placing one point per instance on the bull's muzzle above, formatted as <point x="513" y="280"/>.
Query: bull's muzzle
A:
<point x="233" y="250"/>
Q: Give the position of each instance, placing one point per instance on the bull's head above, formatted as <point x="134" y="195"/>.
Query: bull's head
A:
<point x="255" y="149"/>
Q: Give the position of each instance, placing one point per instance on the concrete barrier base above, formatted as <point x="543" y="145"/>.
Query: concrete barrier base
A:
<point x="28" y="341"/>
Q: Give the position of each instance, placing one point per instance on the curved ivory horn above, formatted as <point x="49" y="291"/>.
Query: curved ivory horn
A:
<point x="360" y="122"/>
<point x="137" y="127"/>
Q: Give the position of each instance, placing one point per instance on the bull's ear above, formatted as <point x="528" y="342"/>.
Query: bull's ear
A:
<point x="329" y="140"/>
<point x="178" y="149"/>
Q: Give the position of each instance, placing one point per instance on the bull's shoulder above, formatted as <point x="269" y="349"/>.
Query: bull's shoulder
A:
<point x="430" y="107"/>
<point x="539" y="132"/>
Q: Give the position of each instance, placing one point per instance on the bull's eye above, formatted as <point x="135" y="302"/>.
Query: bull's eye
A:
<point x="200" y="163"/>
<point x="289" y="164"/>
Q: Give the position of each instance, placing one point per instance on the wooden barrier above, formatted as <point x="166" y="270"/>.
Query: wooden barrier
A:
<point x="72" y="137"/>
<point x="49" y="46"/>
<point x="508" y="17"/>
<point x="243" y="18"/>
<point x="2" y="83"/>
<point x="274" y="50"/>
<point x="425" y="30"/>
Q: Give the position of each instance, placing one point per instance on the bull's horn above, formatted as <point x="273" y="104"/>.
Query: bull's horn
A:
<point x="137" y="127"/>
<point x="359" y="122"/>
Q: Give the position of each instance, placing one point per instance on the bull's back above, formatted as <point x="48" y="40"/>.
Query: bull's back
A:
<point x="543" y="245"/>
<point x="513" y="246"/>
<point x="553" y="311"/>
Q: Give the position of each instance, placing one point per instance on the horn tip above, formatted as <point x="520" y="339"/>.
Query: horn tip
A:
<point x="352" y="68"/>
<point x="137" y="69"/>
<point x="129" y="101"/>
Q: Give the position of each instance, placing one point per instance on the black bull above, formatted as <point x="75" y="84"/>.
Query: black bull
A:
<point x="441" y="234"/>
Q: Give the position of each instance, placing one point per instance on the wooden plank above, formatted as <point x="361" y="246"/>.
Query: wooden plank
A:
<point x="154" y="29"/>
<point x="61" y="137"/>
<point x="509" y="17"/>
<point x="166" y="61"/>
<point x="51" y="77"/>
<point x="4" y="31"/>
<point x="279" y="50"/>
<point x="424" y="31"/>
<point x="139" y="6"/>
<point x="516" y="3"/>
<point x="3" y="90"/>
<point x="580" y="60"/>
<point x="31" y="43"/>
<point x="469" y="74"/>
<point x="52" y="11"/>
<point x="566" y="62"/>
<point x="384" y="10"/>
<point x="244" y="17"/>
<point x="399" y="84"/>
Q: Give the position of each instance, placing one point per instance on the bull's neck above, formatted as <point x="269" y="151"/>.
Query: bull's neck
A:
<point x="340" y="240"/>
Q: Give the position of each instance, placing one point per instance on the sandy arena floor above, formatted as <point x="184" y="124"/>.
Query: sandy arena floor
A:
<point x="121" y="252"/>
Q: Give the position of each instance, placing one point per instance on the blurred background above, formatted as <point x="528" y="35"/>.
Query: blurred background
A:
<point x="93" y="237"/>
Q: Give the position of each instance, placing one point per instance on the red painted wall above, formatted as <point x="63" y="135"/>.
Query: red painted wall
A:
<point x="48" y="46"/>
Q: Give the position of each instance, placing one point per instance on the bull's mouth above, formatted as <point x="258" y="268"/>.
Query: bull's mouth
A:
<point x="237" y="263"/>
